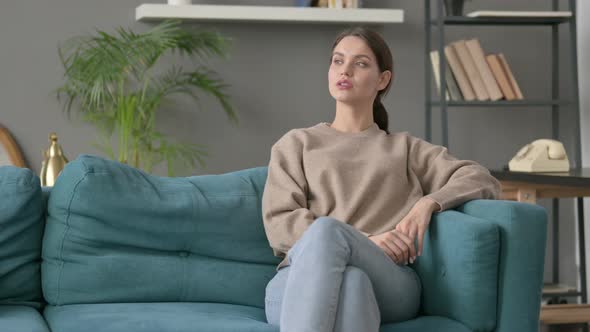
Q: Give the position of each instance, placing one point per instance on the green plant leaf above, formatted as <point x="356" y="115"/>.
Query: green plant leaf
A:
<point x="109" y="79"/>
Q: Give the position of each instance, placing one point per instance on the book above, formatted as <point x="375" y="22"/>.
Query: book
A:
<point x="459" y="74"/>
<point x="511" y="13"/>
<point x="476" y="51"/>
<point x="500" y="76"/>
<point x="322" y="3"/>
<point x="510" y="76"/>
<point x="452" y="83"/>
<point x="303" y="3"/>
<point x="471" y="70"/>
<point x="339" y="4"/>
<point x="435" y="61"/>
<point x="452" y="89"/>
<point x="351" y="4"/>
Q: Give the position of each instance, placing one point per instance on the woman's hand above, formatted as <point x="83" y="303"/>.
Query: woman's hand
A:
<point x="396" y="245"/>
<point x="416" y="222"/>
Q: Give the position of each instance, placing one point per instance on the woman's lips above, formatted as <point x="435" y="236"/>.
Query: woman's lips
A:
<point x="344" y="85"/>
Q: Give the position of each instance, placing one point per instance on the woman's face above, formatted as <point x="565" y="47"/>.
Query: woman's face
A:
<point x="354" y="76"/>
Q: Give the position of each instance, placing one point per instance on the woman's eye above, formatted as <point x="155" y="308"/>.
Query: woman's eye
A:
<point x="362" y="64"/>
<point x="338" y="61"/>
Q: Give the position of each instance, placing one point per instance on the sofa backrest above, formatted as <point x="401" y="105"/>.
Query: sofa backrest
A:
<point x="117" y="234"/>
<point x="21" y="230"/>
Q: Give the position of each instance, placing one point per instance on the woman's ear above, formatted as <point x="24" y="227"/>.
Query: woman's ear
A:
<point x="384" y="79"/>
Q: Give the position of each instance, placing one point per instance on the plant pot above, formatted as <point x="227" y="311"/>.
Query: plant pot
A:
<point x="179" y="2"/>
<point x="454" y="7"/>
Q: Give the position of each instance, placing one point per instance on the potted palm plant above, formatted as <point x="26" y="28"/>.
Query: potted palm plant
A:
<point x="111" y="81"/>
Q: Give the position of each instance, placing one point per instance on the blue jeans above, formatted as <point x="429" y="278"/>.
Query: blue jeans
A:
<point x="338" y="280"/>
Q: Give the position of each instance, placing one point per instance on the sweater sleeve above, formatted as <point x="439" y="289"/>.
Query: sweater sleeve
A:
<point x="446" y="179"/>
<point x="284" y="201"/>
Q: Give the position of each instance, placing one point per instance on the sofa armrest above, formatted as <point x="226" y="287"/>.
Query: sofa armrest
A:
<point x="21" y="231"/>
<point x="523" y="233"/>
<point x="459" y="269"/>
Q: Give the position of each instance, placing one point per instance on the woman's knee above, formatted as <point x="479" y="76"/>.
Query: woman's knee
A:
<point x="357" y="279"/>
<point x="324" y="227"/>
<point x="324" y="235"/>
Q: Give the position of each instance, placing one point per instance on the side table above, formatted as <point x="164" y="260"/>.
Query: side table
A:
<point x="528" y="187"/>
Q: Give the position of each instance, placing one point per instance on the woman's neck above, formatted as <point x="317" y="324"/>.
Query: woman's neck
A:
<point x="352" y="118"/>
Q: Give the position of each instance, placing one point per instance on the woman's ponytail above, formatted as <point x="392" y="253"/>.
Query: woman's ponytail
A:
<point x="380" y="114"/>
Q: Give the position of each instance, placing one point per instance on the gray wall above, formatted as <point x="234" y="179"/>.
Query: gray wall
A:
<point x="278" y="77"/>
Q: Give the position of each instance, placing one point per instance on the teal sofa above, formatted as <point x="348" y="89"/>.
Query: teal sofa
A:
<point x="110" y="248"/>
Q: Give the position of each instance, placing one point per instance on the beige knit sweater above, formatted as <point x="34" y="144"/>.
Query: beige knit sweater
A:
<point x="367" y="179"/>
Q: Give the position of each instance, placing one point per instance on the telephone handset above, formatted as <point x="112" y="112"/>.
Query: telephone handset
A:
<point x="542" y="155"/>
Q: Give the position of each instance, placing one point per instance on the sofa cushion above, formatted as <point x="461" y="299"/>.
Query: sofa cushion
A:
<point x="426" y="324"/>
<point x="202" y="317"/>
<point x="523" y="235"/>
<point x="117" y="234"/>
<point x="21" y="319"/>
<point x="157" y="317"/>
<point x="459" y="269"/>
<point x="21" y="230"/>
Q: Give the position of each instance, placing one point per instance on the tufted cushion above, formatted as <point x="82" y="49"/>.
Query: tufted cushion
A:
<point x="115" y="234"/>
<point x="459" y="269"/>
<point x="21" y="230"/>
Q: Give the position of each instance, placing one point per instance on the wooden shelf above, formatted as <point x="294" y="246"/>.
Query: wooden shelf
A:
<point x="503" y="103"/>
<point x="565" y="313"/>
<point x="559" y="290"/>
<point x="523" y="21"/>
<point x="228" y="13"/>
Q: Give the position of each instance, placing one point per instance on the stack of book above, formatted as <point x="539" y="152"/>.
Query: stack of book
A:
<point x="472" y="75"/>
<point x="339" y="4"/>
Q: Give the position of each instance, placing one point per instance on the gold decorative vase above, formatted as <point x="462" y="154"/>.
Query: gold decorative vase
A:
<point x="53" y="163"/>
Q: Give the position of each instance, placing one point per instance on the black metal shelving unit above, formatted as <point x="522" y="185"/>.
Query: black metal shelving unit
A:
<point x="439" y="23"/>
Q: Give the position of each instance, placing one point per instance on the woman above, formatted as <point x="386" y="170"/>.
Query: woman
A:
<point x="347" y="203"/>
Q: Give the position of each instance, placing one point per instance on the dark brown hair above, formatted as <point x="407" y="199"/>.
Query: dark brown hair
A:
<point x="384" y="61"/>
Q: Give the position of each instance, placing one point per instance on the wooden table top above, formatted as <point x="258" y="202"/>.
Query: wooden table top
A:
<point x="576" y="177"/>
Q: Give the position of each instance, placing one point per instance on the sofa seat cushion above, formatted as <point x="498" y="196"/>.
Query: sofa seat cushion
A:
<point x="426" y="324"/>
<point x="16" y="318"/>
<point x="157" y="317"/>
